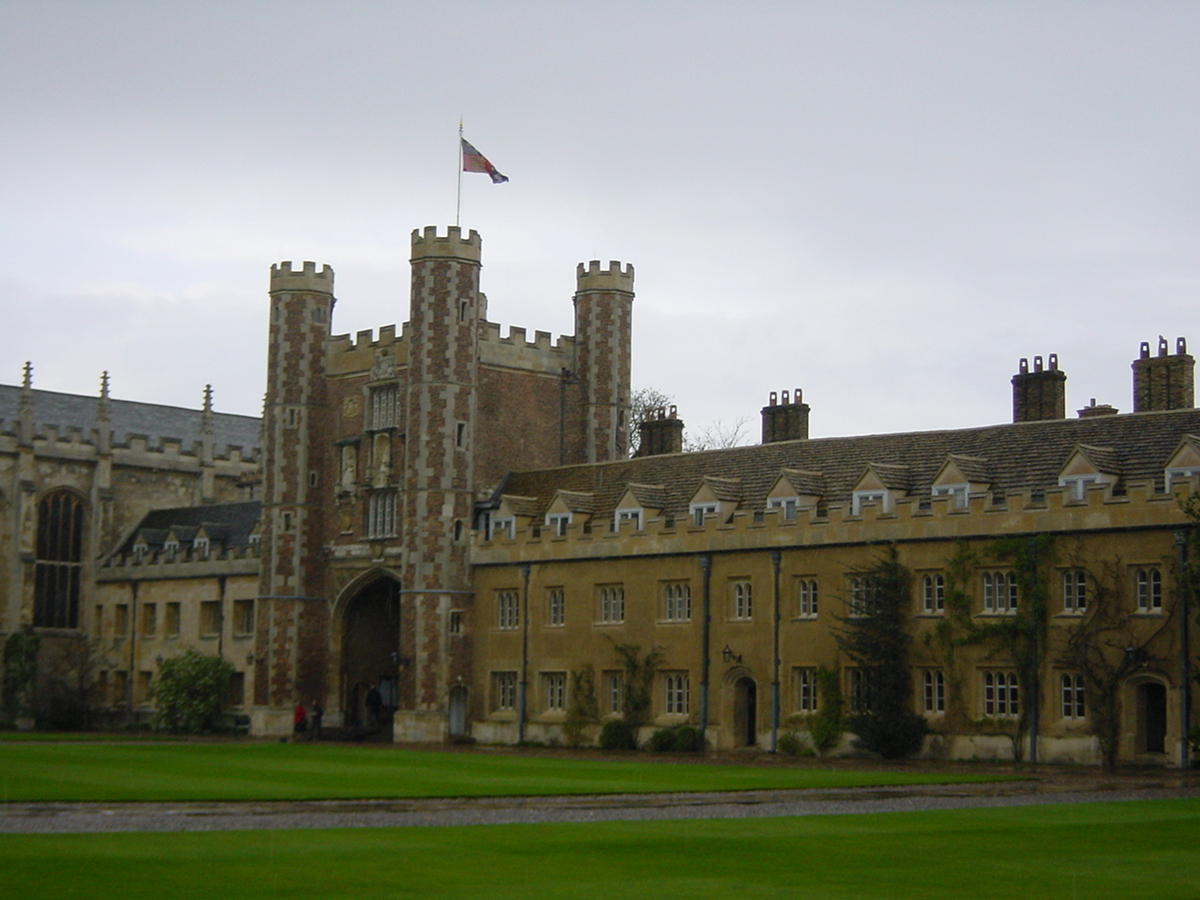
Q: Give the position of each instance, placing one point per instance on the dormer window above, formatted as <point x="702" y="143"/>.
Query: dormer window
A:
<point x="1180" y="473"/>
<point x="958" y="491"/>
<point x="861" y="497"/>
<point x="501" y="526"/>
<point x="139" y="552"/>
<point x="1077" y="485"/>
<point x="171" y="548"/>
<point x="634" y="515"/>
<point x="700" y="510"/>
<point x="787" y="504"/>
<point x="558" y="522"/>
<point x="201" y="547"/>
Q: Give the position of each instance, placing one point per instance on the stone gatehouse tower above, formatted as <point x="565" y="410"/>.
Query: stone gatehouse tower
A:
<point x="376" y="452"/>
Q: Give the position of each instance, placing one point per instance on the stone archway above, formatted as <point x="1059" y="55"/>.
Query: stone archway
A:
<point x="370" y="653"/>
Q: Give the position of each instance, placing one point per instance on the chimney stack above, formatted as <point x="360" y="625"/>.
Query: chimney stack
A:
<point x="1164" y="381"/>
<point x="784" y="418"/>
<point x="1039" y="394"/>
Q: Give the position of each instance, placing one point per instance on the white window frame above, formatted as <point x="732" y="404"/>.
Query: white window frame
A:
<point x="507" y="525"/>
<point x="1074" y="591"/>
<point x="933" y="594"/>
<point x="556" y="607"/>
<point x="1180" y="472"/>
<point x="741" y="594"/>
<point x="508" y="609"/>
<point x="554" y="691"/>
<point x="933" y="690"/>
<point x="1077" y="485"/>
<point x="864" y="592"/>
<point x="611" y="604"/>
<point x="1001" y="693"/>
<point x="807" y="597"/>
<point x="504" y="691"/>
<point x="1147" y="582"/>
<point x="1072" y="696"/>
<point x="960" y="493"/>
<point x="676" y="694"/>
<point x="999" y="593"/>
<point x="806" y="690"/>
<point x="700" y="511"/>
<point x="789" y="505"/>
<point x="558" y="522"/>
<point x="628" y="514"/>
<point x="614" y="690"/>
<point x="677" y="601"/>
<point x="882" y="497"/>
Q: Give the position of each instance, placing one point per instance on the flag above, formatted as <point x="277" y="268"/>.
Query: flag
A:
<point x="474" y="161"/>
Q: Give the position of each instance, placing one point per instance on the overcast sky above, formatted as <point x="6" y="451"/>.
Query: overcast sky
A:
<point x="885" y="204"/>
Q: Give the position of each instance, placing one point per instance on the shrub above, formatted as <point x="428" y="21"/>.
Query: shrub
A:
<point x="790" y="744"/>
<point x="677" y="739"/>
<point x="189" y="692"/>
<point x="617" y="734"/>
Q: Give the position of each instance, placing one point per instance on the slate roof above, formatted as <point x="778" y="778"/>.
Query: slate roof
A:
<point x="1019" y="456"/>
<point x="226" y="524"/>
<point x="130" y="417"/>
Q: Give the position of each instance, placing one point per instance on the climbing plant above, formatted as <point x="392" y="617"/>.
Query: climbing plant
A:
<point x="876" y="637"/>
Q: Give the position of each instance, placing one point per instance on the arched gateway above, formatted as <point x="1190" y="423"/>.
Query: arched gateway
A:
<point x="370" y="654"/>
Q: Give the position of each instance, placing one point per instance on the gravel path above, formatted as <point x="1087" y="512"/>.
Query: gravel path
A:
<point x="62" y="818"/>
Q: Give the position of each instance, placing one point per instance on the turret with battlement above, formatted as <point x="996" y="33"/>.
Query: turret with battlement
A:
<point x="603" y="331"/>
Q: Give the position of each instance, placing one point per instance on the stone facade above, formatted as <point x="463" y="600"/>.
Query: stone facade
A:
<point x="447" y="516"/>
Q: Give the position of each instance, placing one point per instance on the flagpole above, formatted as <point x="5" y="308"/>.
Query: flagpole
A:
<point x="458" y="202"/>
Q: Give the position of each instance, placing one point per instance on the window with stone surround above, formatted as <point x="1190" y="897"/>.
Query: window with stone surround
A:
<point x="610" y="603"/>
<point x="504" y="690"/>
<point x="556" y="607"/>
<point x="508" y="610"/>
<point x="243" y="617"/>
<point x="554" y="691"/>
<point x="806" y="597"/>
<point x="1001" y="693"/>
<point x="58" y="562"/>
<point x="210" y="618"/>
<point x="384" y="407"/>
<point x="381" y="514"/>
<point x="172" y="623"/>
<point x="677" y="601"/>
<point x="1148" y="586"/>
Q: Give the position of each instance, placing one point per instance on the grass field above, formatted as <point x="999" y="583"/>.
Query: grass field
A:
<point x="1122" y="851"/>
<point x="69" y="771"/>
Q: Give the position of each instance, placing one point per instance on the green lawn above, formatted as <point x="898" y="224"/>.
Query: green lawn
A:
<point x="275" y="771"/>
<point x="1123" y="851"/>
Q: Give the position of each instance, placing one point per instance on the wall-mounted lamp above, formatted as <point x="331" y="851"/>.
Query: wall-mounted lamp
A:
<point x="249" y="659"/>
<point x="729" y="656"/>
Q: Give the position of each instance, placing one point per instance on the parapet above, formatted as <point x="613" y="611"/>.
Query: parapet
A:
<point x="428" y="245"/>
<point x="284" y="278"/>
<point x="594" y="278"/>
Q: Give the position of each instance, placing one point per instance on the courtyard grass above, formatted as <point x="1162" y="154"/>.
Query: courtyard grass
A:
<point x="1123" y="851"/>
<point x="113" y="772"/>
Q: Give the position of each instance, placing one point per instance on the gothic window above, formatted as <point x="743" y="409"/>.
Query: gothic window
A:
<point x="59" y="561"/>
<point x="381" y="514"/>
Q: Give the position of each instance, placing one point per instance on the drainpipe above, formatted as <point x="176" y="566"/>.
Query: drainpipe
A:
<point x="132" y="680"/>
<point x="775" y="559"/>
<point x="705" y="595"/>
<point x="522" y="691"/>
<point x="1035" y="689"/>
<point x="1185" y="662"/>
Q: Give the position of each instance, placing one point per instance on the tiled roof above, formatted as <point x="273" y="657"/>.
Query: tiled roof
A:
<point x="805" y="484"/>
<point x="1105" y="459"/>
<point x="227" y="524"/>
<point x="973" y="468"/>
<point x="130" y="417"/>
<point x="1019" y="455"/>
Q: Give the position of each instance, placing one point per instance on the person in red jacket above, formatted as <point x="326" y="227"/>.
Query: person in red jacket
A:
<point x="299" y="721"/>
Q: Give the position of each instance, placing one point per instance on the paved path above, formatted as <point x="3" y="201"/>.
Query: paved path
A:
<point x="62" y="818"/>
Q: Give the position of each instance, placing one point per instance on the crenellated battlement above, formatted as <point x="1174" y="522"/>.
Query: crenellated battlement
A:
<point x="428" y="244"/>
<point x="306" y="278"/>
<point x="613" y="278"/>
<point x="1048" y="511"/>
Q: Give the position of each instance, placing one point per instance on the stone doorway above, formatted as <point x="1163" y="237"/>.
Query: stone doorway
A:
<point x="745" y="709"/>
<point x="370" y="654"/>
<point x="1151" y="717"/>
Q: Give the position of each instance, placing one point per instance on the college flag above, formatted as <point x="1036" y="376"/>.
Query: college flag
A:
<point x="474" y="161"/>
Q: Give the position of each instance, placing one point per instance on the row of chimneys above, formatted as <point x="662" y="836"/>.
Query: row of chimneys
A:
<point x="1160" y="382"/>
<point x="1166" y="381"/>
